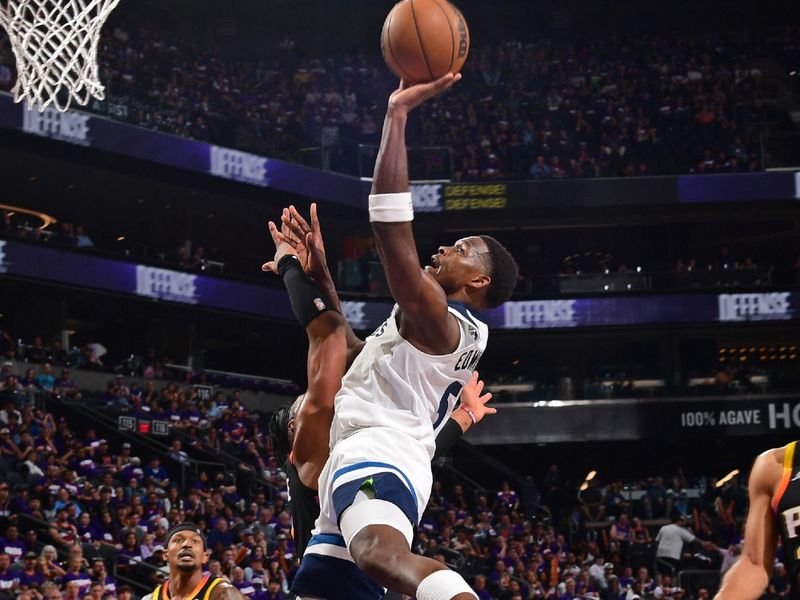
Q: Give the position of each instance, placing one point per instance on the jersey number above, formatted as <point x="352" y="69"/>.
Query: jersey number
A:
<point x="452" y="390"/>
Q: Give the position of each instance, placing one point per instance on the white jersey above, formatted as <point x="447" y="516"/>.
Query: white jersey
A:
<point x="393" y="384"/>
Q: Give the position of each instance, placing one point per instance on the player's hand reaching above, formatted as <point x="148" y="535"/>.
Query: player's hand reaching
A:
<point x="472" y="400"/>
<point x="284" y="244"/>
<point x="408" y="96"/>
<point x="309" y="244"/>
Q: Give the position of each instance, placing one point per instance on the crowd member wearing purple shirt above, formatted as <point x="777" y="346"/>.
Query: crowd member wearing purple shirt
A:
<point x="11" y="544"/>
<point x="76" y="572"/>
<point x="33" y="572"/>
<point x="9" y="582"/>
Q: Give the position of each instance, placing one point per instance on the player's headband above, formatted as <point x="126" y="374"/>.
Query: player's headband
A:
<point x="186" y="527"/>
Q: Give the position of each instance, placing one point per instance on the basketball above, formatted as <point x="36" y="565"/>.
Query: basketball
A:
<point x="423" y="40"/>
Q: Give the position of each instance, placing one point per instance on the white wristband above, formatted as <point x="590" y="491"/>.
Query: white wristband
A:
<point x="391" y="208"/>
<point x="443" y="585"/>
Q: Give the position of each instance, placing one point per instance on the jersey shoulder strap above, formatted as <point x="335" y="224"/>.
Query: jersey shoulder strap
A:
<point x="211" y="586"/>
<point x="459" y="309"/>
<point x="786" y="477"/>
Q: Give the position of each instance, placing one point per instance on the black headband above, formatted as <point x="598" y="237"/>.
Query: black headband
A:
<point x="186" y="527"/>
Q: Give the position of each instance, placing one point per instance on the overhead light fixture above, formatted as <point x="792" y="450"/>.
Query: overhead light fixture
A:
<point x="727" y="478"/>
<point x="120" y="238"/>
<point x="584" y="486"/>
<point x="46" y="219"/>
<point x="591" y="475"/>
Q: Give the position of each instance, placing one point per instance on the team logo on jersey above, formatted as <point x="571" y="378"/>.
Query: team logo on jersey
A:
<point x="791" y="518"/>
<point x="319" y="304"/>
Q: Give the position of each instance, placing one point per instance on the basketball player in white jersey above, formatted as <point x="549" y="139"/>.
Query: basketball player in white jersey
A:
<point x="405" y="383"/>
<point x="302" y="430"/>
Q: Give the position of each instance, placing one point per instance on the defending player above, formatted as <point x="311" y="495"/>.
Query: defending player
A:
<point x="404" y="384"/>
<point x="774" y="491"/>
<point x="300" y="432"/>
<point x="186" y="555"/>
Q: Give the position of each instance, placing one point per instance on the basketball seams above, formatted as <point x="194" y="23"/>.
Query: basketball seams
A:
<point x="419" y="39"/>
<point x="453" y="44"/>
<point x="395" y="60"/>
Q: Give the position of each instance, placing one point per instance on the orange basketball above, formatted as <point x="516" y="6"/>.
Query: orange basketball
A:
<point x="423" y="40"/>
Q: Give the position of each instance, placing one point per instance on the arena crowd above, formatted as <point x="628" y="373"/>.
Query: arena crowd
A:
<point x="83" y="517"/>
<point x="622" y="105"/>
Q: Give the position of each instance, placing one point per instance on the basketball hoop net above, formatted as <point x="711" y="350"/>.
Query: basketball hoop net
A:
<point x="55" y="45"/>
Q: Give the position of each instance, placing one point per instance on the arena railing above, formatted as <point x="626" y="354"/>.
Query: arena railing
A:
<point x="230" y="374"/>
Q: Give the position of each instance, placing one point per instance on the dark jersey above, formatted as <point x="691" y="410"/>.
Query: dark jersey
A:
<point x="304" y="506"/>
<point x="201" y="592"/>
<point x="786" y="504"/>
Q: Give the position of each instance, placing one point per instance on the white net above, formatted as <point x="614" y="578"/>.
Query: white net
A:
<point x="55" y="45"/>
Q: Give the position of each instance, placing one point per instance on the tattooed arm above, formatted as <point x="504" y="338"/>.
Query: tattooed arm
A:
<point x="225" y="591"/>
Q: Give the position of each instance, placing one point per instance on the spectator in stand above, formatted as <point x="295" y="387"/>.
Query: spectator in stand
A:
<point x="33" y="575"/>
<point x="29" y="381"/>
<point x="157" y="473"/>
<point x="11" y="545"/>
<point x="82" y="240"/>
<point x="639" y="531"/>
<point x="51" y="591"/>
<point x="507" y="499"/>
<point x="177" y="454"/>
<point x="52" y="568"/>
<point x="670" y="539"/>
<point x="8" y="449"/>
<point x="9" y="410"/>
<point x="779" y="584"/>
<point x="65" y="385"/>
<point x="72" y="590"/>
<point x="45" y="380"/>
<point x="273" y="591"/>
<point x="77" y="574"/>
<point x="36" y="353"/>
<point x="9" y="581"/>
<point x="621" y="533"/>
<point x="245" y="587"/>
<point x="220" y="537"/>
<point x="7" y="370"/>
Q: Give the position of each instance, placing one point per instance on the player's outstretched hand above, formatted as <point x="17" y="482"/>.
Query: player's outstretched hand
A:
<point x="310" y="246"/>
<point x="408" y="96"/>
<point x="472" y="399"/>
<point x="284" y="244"/>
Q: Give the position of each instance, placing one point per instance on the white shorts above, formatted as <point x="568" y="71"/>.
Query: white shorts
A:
<point x="384" y="465"/>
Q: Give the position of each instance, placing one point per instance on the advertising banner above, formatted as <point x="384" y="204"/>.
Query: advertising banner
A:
<point x="158" y="283"/>
<point x="626" y="419"/>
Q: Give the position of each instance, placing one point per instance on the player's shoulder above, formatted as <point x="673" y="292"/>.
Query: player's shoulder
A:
<point x="225" y="590"/>
<point x="768" y="467"/>
<point x="774" y="456"/>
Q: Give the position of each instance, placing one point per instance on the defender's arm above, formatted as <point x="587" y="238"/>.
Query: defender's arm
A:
<point x="749" y="577"/>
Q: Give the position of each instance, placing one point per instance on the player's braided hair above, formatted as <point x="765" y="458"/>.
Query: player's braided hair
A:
<point x="503" y="270"/>
<point x="279" y="432"/>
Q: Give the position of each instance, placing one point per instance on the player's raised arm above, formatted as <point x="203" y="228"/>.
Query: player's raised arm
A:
<point x="421" y="299"/>
<point x="749" y="577"/>
<point x="318" y="311"/>
<point x="311" y="251"/>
